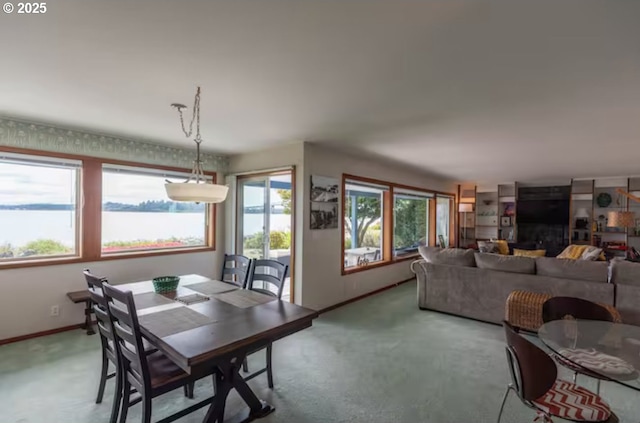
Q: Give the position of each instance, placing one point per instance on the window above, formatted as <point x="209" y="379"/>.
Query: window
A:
<point x="444" y="220"/>
<point x="411" y="221"/>
<point x="38" y="207"/>
<point x="138" y="216"/>
<point x="363" y="223"/>
<point x="385" y="222"/>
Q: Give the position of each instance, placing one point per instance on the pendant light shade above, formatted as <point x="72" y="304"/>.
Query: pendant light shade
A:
<point x="199" y="193"/>
<point x="195" y="189"/>
<point x="621" y="219"/>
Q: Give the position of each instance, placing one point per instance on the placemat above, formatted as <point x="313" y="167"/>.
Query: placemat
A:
<point x="175" y="320"/>
<point x="211" y="287"/>
<point x="244" y="298"/>
<point x="150" y="299"/>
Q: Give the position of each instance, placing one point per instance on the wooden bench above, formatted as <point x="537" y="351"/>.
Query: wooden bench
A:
<point x="83" y="297"/>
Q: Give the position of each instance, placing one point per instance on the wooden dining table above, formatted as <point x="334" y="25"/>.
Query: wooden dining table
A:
<point x="208" y="324"/>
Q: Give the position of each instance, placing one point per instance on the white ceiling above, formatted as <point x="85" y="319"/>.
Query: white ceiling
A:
<point x="473" y="90"/>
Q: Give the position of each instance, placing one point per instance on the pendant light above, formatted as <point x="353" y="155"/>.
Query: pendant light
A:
<point x="195" y="188"/>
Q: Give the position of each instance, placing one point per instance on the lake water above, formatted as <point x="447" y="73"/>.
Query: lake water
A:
<point x="17" y="227"/>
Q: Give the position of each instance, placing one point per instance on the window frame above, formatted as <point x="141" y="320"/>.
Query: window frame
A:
<point x="388" y="221"/>
<point x="429" y="198"/>
<point x="89" y="214"/>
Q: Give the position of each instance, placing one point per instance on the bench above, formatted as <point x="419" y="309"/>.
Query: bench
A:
<point x="83" y="297"/>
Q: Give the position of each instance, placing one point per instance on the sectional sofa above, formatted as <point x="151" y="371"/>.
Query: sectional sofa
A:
<point x="476" y="285"/>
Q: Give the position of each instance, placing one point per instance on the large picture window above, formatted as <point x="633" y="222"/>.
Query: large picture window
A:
<point x="363" y="223"/>
<point x="38" y="207"/>
<point x="411" y="221"/>
<point x="137" y="215"/>
<point x="386" y="222"/>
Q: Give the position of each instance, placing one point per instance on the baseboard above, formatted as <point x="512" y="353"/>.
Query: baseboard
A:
<point x="360" y="297"/>
<point x="39" y="334"/>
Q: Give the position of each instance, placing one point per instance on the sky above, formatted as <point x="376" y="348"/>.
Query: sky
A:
<point x="20" y="184"/>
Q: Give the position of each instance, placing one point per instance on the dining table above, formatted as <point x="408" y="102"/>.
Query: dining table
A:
<point x="209" y="324"/>
<point x="609" y="350"/>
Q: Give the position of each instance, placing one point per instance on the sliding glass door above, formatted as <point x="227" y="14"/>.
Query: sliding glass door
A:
<point x="265" y="219"/>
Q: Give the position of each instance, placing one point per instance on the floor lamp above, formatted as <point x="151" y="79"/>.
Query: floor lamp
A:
<point x="464" y="208"/>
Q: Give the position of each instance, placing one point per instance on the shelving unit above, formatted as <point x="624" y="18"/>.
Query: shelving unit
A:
<point x="487" y="215"/>
<point x="633" y="235"/>
<point x="603" y="236"/>
<point x="581" y="211"/>
<point x="507" y="212"/>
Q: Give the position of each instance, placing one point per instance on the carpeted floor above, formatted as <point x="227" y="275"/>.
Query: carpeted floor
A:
<point x="377" y="360"/>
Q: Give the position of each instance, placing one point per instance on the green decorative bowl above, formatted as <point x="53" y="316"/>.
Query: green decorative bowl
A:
<point x="163" y="284"/>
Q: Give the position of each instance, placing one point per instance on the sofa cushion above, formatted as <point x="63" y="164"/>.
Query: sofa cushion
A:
<point x="504" y="263"/>
<point x="625" y="272"/>
<point x="450" y="256"/>
<point x="529" y="253"/>
<point x="584" y="270"/>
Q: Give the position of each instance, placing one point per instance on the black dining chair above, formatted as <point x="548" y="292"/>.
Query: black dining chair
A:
<point x="109" y="354"/>
<point x="267" y="273"/>
<point x="235" y="270"/>
<point x="558" y="308"/>
<point x="534" y="379"/>
<point x="151" y="375"/>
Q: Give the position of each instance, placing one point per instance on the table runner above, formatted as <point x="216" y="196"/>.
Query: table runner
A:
<point x="211" y="287"/>
<point x="244" y="298"/>
<point x="172" y="321"/>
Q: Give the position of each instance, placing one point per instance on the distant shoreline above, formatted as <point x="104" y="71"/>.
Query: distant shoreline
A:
<point x="144" y="207"/>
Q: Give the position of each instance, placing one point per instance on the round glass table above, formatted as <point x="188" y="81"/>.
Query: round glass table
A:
<point x="610" y="350"/>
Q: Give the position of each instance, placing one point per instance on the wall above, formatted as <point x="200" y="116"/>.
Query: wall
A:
<point x="323" y="284"/>
<point x="288" y="155"/>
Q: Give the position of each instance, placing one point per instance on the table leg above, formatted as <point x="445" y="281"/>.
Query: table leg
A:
<point x="229" y="378"/>
<point x="88" y="326"/>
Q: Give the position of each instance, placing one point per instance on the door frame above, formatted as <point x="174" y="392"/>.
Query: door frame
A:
<point x="294" y="210"/>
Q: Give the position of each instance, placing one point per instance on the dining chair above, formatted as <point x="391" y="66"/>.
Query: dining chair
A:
<point x="151" y="375"/>
<point x="235" y="270"/>
<point x="558" y="308"/>
<point x="534" y="379"/>
<point x="270" y="273"/>
<point x="109" y="354"/>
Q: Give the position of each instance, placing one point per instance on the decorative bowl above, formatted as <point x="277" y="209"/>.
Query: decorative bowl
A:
<point x="163" y="284"/>
<point x="603" y="199"/>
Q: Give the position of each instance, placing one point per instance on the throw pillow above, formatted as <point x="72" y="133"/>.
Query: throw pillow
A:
<point x="488" y="247"/>
<point x="503" y="247"/>
<point x="529" y="253"/>
<point x="572" y="252"/>
<point x="591" y="253"/>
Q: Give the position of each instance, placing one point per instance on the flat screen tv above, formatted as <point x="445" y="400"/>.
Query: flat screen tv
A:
<point x="549" y="212"/>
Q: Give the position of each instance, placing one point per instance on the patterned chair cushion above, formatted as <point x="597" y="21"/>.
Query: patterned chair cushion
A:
<point x="596" y="361"/>
<point x="572" y="402"/>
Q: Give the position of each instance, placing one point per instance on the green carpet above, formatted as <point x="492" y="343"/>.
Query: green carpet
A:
<point x="380" y="359"/>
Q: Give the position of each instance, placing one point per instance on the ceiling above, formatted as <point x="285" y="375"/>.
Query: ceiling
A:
<point x="486" y="91"/>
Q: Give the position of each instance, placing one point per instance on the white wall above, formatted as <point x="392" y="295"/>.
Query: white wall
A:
<point x="288" y="155"/>
<point x="323" y="283"/>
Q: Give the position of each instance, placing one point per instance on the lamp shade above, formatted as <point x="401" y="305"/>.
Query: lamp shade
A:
<point x="465" y="207"/>
<point x="621" y="219"/>
<point x="581" y="213"/>
<point x="199" y="193"/>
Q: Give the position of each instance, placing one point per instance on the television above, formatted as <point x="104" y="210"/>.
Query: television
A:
<point x="549" y="212"/>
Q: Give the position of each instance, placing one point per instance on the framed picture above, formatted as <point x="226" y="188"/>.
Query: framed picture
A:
<point x="324" y="215"/>
<point x="324" y="189"/>
<point x="505" y="221"/>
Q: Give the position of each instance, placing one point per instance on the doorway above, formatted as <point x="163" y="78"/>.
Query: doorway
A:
<point x="265" y="224"/>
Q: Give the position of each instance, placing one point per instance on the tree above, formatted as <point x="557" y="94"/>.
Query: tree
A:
<point x="411" y="222"/>
<point x="367" y="212"/>
<point x="285" y="195"/>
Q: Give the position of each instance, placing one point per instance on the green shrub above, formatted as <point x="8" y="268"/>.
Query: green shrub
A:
<point x="45" y="247"/>
<point x="371" y="238"/>
<point x="279" y="240"/>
